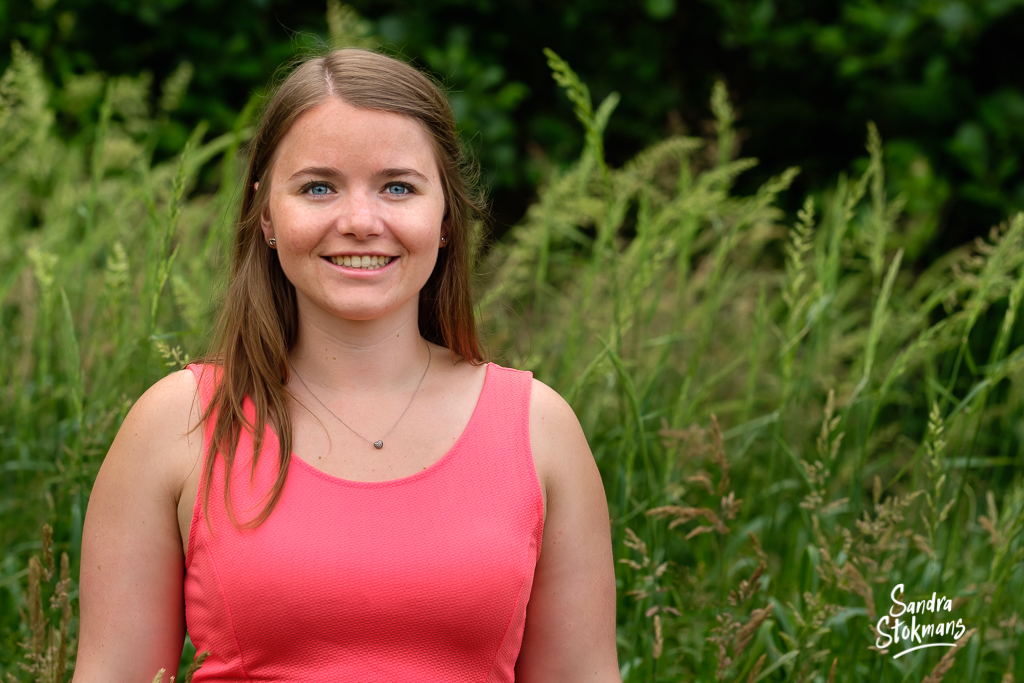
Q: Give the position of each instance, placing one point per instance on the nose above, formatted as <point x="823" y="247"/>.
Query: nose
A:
<point x="359" y="214"/>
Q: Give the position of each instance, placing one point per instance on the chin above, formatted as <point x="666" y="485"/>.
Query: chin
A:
<point x="360" y="313"/>
<point x="354" y="309"/>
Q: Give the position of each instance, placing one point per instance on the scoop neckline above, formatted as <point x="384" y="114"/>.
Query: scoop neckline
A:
<point x="437" y="464"/>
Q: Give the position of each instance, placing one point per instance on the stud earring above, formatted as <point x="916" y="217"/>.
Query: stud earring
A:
<point x="272" y="241"/>
<point x="444" y="240"/>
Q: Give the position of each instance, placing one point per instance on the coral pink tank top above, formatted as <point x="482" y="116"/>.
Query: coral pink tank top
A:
<point x="424" y="578"/>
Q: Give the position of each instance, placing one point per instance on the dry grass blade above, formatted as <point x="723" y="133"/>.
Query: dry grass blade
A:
<point x="62" y="600"/>
<point x="48" y="550"/>
<point x="748" y="586"/>
<point x="859" y="586"/>
<point x="688" y="514"/>
<point x="48" y="648"/>
<point x="731" y="505"/>
<point x="194" y="666"/>
<point x="947" y="661"/>
<point x="189" y="673"/>
<point x="659" y="640"/>
<point x="634" y="542"/>
<point x="702" y="478"/>
<point x="35" y="606"/>
<point x="756" y="671"/>
<point x="758" y="549"/>
<point x="697" y="531"/>
<point x="989" y="522"/>
<point x="746" y="632"/>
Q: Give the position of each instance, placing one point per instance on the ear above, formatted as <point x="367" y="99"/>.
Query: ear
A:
<point x="265" y="225"/>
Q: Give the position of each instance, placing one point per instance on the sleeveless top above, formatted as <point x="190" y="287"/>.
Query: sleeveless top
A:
<point x="424" y="578"/>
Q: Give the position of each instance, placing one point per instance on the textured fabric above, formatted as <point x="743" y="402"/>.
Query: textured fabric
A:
<point x="424" y="578"/>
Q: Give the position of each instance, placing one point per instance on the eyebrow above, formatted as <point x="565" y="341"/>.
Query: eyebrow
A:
<point x="316" y="170"/>
<point x="383" y="173"/>
<point x="396" y="172"/>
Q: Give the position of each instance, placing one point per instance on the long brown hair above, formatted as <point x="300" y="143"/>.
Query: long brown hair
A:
<point x="259" y="323"/>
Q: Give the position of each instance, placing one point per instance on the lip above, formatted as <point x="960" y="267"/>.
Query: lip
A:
<point x="359" y="253"/>
<point x="360" y="273"/>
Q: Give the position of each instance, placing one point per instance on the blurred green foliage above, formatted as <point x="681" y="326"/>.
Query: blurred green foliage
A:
<point x="938" y="76"/>
<point x="789" y="419"/>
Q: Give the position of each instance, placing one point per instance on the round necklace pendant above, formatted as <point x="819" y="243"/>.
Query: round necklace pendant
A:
<point x="378" y="445"/>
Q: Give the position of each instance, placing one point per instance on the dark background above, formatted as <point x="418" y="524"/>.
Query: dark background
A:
<point x="942" y="79"/>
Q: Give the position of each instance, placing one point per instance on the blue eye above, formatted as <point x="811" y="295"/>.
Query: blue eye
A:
<point x="398" y="189"/>
<point x="319" y="189"/>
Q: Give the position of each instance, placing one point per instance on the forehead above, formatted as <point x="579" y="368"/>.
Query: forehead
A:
<point x="352" y="139"/>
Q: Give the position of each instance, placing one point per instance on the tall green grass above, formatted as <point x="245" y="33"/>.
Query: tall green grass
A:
<point x="790" y="420"/>
<point x="109" y="267"/>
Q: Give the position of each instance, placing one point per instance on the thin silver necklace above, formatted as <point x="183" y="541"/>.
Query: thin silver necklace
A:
<point x="379" y="443"/>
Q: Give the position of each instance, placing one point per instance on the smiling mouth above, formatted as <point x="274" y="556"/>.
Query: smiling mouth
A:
<point x="362" y="262"/>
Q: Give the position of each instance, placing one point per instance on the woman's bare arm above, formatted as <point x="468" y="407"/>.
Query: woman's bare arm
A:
<point x="132" y="604"/>
<point x="570" y="620"/>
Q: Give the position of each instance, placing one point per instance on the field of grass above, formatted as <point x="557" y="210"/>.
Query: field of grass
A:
<point x="792" y="419"/>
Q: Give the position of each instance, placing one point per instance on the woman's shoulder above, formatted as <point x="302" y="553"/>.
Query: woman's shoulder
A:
<point x="546" y="405"/>
<point x="168" y="410"/>
<point x="560" y="448"/>
<point x="176" y="394"/>
<point x="159" y="439"/>
<point x="549" y="412"/>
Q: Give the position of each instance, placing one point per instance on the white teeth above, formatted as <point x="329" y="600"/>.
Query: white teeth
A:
<point x="363" y="262"/>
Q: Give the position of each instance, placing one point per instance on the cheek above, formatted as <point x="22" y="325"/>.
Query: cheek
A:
<point x="295" y="228"/>
<point x="419" y="227"/>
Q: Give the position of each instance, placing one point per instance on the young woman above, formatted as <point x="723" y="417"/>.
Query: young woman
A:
<point x="347" y="492"/>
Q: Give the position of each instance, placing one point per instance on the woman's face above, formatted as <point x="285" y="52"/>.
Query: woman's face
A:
<point x="356" y="206"/>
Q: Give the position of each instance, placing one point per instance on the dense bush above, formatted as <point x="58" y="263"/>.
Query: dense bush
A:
<point x="789" y="422"/>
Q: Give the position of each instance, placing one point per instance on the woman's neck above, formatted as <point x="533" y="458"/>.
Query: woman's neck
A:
<point x="360" y="358"/>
